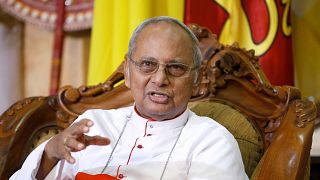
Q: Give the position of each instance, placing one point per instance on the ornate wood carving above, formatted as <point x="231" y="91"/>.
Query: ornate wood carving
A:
<point x="225" y="66"/>
<point x="8" y="120"/>
<point x="229" y="75"/>
<point x="74" y="101"/>
<point x="17" y="127"/>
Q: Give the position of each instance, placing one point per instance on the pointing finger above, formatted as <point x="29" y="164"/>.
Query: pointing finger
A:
<point x="96" y="140"/>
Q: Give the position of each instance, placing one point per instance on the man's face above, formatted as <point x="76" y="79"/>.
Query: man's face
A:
<point x="160" y="96"/>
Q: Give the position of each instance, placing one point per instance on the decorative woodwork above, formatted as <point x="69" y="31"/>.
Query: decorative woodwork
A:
<point x="228" y="74"/>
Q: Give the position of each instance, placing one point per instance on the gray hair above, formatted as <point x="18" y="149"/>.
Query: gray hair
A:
<point x="195" y="43"/>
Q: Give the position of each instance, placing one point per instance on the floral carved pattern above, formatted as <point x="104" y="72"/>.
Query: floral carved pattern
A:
<point x="224" y="65"/>
<point x="9" y="119"/>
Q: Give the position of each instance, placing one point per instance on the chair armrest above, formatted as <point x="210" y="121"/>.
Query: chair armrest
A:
<point x="289" y="153"/>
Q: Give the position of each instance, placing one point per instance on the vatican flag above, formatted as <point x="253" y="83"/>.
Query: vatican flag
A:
<point x="113" y="24"/>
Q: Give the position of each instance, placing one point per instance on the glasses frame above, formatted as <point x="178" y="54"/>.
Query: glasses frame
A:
<point x="139" y="65"/>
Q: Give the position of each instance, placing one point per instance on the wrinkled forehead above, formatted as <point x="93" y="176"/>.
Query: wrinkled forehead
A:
<point x="164" y="29"/>
<point x="165" y="37"/>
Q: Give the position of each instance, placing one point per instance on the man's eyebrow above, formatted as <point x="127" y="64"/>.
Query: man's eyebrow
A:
<point x="148" y="58"/>
<point x="176" y="60"/>
<point x="173" y="60"/>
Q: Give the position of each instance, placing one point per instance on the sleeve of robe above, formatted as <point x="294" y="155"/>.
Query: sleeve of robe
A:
<point x="62" y="170"/>
<point x="217" y="158"/>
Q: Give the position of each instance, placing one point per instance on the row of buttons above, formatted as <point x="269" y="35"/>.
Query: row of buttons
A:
<point x="120" y="176"/>
<point x="140" y="146"/>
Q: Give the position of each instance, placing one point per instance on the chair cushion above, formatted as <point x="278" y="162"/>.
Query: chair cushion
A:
<point x="248" y="139"/>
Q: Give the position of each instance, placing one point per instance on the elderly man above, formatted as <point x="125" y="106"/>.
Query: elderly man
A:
<point x="158" y="137"/>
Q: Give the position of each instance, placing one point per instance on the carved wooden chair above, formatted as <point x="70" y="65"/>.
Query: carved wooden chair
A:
<point x="272" y="124"/>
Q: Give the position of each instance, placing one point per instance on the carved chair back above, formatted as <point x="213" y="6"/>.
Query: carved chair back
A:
<point x="229" y="75"/>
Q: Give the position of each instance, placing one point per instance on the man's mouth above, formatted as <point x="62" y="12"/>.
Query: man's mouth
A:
<point x="158" y="97"/>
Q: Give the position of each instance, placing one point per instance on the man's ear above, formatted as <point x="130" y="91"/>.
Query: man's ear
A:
<point x="126" y="72"/>
<point x="196" y="84"/>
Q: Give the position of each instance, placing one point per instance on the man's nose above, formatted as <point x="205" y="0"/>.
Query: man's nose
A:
<point x="160" y="77"/>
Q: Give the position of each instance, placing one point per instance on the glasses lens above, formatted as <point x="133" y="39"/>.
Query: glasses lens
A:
<point x="147" y="66"/>
<point x="177" y="69"/>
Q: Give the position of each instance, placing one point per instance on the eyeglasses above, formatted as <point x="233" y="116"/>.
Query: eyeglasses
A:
<point x="150" y="66"/>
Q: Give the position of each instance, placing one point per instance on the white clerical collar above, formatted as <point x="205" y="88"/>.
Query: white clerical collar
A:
<point x="176" y="122"/>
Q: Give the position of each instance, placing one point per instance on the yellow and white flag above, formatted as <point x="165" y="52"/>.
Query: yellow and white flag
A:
<point x="306" y="46"/>
<point x="113" y="24"/>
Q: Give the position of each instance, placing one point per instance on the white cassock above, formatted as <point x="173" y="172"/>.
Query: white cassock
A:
<point x="205" y="150"/>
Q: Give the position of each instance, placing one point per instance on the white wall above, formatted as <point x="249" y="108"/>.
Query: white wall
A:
<point x="10" y="65"/>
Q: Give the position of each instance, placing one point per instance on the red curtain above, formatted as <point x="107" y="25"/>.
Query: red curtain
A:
<point x="261" y="25"/>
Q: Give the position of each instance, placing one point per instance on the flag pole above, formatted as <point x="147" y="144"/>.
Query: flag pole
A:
<point x="57" y="48"/>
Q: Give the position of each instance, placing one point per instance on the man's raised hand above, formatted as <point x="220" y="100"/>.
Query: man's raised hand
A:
<point x="72" y="139"/>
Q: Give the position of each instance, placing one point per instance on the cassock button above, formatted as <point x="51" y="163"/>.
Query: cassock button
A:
<point x="151" y="126"/>
<point x="140" y="146"/>
<point x="120" y="176"/>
